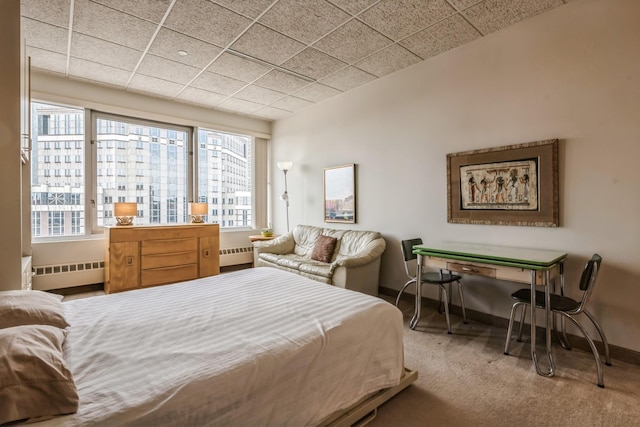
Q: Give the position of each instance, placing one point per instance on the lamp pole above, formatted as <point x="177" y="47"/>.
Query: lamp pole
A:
<point x="284" y="167"/>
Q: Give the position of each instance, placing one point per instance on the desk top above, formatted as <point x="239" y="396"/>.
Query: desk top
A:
<point x="533" y="259"/>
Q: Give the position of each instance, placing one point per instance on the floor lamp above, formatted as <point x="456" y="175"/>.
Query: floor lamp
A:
<point x="284" y="167"/>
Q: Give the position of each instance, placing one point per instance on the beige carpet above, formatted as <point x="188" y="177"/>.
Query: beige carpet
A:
<point x="466" y="380"/>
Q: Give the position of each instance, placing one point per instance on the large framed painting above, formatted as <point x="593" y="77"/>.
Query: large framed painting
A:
<point x="340" y="194"/>
<point x="510" y="185"/>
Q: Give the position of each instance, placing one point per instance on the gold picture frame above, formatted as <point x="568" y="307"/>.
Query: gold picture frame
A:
<point x="340" y="194"/>
<point x="509" y="185"/>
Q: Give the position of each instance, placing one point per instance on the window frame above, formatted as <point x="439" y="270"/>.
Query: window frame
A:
<point x="89" y="169"/>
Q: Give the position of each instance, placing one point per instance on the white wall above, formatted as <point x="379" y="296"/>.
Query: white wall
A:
<point x="572" y="73"/>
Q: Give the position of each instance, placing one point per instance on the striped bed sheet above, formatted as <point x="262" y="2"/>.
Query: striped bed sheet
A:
<point x="254" y="347"/>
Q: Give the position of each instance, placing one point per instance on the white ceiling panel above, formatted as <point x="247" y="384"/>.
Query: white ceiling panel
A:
<point x="262" y="58"/>
<point x="267" y="45"/>
<point x="95" y="72"/>
<point x="352" y="42"/>
<point x="445" y="35"/>
<point x="388" y="60"/>
<point x="304" y="20"/>
<point x="398" y="19"/>
<point x="206" y="21"/>
<point x="347" y="78"/>
<point x="104" y="52"/>
<point x="169" y="44"/>
<point x="45" y="36"/>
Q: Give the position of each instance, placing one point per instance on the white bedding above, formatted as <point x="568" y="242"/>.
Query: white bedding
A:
<point x="249" y="348"/>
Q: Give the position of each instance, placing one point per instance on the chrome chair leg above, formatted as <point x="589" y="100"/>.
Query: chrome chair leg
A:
<point x="440" y="308"/>
<point x="402" y="290"/>
<point x="446" y="308"/>
<point x="562" y="335"/>
<point x="512" y="316"/>
<point x="605" y="343"/>
<point x="594" y="350"/>
<point x="521" y="326"/>
<point x="464" y="313"/>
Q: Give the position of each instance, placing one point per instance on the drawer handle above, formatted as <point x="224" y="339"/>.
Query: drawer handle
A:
<point x="471" y="270"/>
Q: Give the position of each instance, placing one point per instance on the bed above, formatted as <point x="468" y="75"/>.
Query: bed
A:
<point x="254" y="347"/>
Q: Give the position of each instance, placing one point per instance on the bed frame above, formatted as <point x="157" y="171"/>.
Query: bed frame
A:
<point x="366" y="409"/>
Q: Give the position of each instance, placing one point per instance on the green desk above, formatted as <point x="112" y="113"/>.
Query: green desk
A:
<point x="532" y="266"/>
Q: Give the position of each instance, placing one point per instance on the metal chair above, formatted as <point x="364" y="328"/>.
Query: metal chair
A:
<point x="440" y="278"/>
<point x="567" y="308"/>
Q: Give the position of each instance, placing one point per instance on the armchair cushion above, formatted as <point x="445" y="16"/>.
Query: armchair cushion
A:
<point x="323" y="249"/>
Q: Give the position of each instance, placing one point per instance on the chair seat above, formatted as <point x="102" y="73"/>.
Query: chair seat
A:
<point x="433" y="277"/>
<point x="557" y="302"/>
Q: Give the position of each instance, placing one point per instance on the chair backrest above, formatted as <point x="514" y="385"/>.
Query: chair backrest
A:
<point x="407" y="253"/>
<point x="588" y="278"/>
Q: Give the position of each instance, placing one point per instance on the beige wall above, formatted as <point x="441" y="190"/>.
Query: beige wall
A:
<point x="572" y="73"/>
<point x="10" y="170"/>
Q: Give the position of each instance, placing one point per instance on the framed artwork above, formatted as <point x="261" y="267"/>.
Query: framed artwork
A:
<point x="510" y="185"/>
<point x="340" y="194"/>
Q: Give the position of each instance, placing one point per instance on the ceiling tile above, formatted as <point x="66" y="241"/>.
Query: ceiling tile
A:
<point x="268" y="45"/>
<point x="271" y="113"/>
<point x="95" y="72"/>
<point x="291" y="103"/>
<point x="201" y="97"/>
<point x="154" y="86"/>
<point x="217" y="83"/>
<point x="104" y="23"/>
<point x="304" y="20"/>
<point x="152" y="10"/>
<point x="399" y="18"/>
<point x="352" y="41"/>
<point x="168" y="42"/>
<point x="250" y="8"/>
<point x="47" y="61"/>
<point x="240" y="105"/>
<point x="493" y="15"/>
<point x="387" y="61"/>
<point x="100" y="51"/>
<point x="347" y="78"/>
<point x="445" y="35"/>
<point x="316" y="92"/>
<point x="162" y="68"/>
<point x="353" y="6"/>
<point x="238" y="68"/>
<point x="282" y="82"/>
<point x="313" y="63"/>
<point x="45" y="36"/>
<point x="463" y="4"/>
<point x="56" y="12"/>
<point x="259" y="94"/>
<point x="206" y="21"/>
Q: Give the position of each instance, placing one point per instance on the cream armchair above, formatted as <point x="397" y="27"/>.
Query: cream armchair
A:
<point x="354" y="262"/>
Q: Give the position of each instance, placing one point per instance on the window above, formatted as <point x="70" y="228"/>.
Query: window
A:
<point x="236" y="150"/>
<point x="133" y="159"/>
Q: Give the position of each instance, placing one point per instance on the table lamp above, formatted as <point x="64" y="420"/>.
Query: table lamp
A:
<point x="125" y="212"/>
<point x="198" y="211"/>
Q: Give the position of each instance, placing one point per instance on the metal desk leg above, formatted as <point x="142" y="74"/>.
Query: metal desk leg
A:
<point x="418" y="305"/>
<point x="547" y="297"/>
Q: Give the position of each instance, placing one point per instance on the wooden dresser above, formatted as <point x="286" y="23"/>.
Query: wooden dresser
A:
<point x="143" y="256"/>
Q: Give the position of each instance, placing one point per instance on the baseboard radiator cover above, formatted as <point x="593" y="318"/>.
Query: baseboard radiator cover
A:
<point x="60" y="276"/>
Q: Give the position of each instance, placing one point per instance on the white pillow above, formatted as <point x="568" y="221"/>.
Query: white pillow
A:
<point x="34" y="380"/>
<point x="31" y="308"/>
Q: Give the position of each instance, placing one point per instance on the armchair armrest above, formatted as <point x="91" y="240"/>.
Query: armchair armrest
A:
<point x="370" y="253"/>
<point x="280" y="245"/>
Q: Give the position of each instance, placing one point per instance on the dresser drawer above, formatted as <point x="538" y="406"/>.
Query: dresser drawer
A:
<point x="166" y="246"/>
<point x="169" y="260"/>
<point x="158" y="276"/>
<point x="471" y="269"/>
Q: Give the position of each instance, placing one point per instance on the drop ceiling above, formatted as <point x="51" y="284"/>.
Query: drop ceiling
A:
<point x="260" y="58"/>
